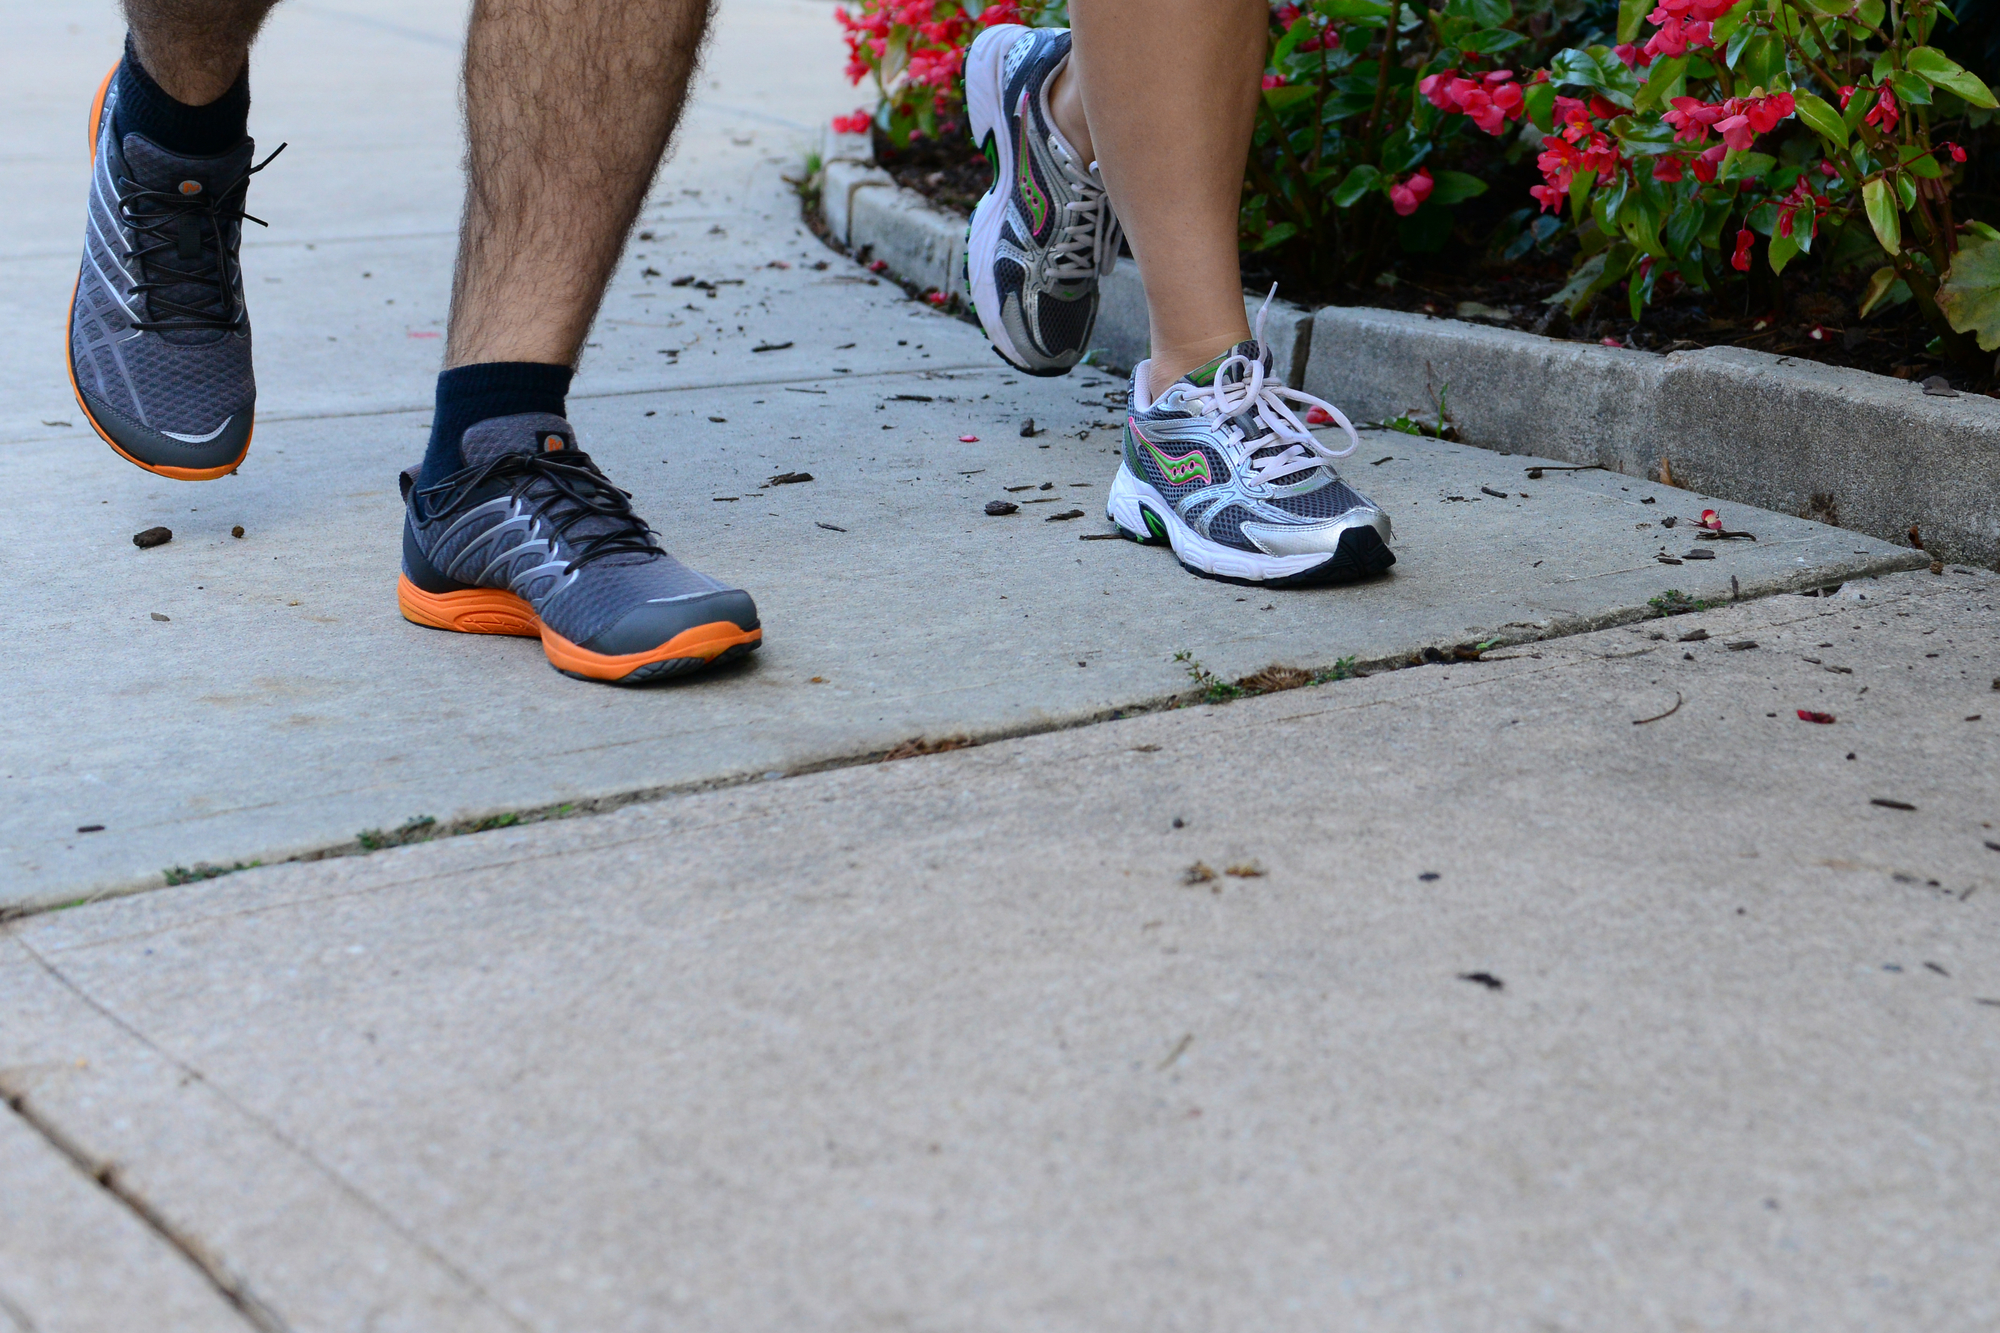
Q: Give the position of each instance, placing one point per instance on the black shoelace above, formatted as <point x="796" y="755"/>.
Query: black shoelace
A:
<point x="170" y="229"/>
<point x="575" y="491"/>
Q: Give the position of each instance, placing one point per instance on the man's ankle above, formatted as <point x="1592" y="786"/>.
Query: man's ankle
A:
<point x="145" y="108"/>
<point x="468" y="395"/>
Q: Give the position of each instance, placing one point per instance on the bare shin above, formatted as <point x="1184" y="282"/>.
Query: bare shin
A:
<point x="1169" y="90"/>
<point x="194" y="49"/>
<point x="569" y="105"/>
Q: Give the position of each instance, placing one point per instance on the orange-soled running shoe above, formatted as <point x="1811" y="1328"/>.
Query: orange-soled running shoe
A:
<point x="159" y="340"/>
<point x="530" y="538"/>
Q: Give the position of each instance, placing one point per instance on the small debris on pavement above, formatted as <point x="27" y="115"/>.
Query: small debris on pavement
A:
<point x="1098" y="537"/>
<point x="1534" y="474"/>
<point x="1385" y="458"/>
<point x="718" y="419"/>
<point x="816" y="680"/>
<point x="1046" y="486"/>
<point x="1486" y="979"/>
<point x="90" y="828"/>
<point x="1937" y="566"/>
<point x="968" y="439"/>
<point x="725" y="499"/>
<point x="236" y="531"/>
<point x="1711" y="520"/>
<point x="1937" y="386"/>
<point x="770" y="347"/>
<point x="789" y="478"/>
<point x="1151" y="749"/>
<point x="1887" y="804"/>
<point x="1274" y="678"/>
<point x="158" y="616"/>
<point x="916" y="746"/>
<point x="1694" y="636"/>
<point x="55" y="423"/>
<point x="996" y="508"/>
<point x="1198" y="873"/>
<point x="1067" y="513"/>
<point x="1740" y="645"/>
<point x="1667" y="560"/>
<point x="1916" y="539"/>
<point x="152" y="537"/>
<point x="831" y="528"/>
<point x="1808" y="715"/>
<point x="1649" y="500"/>
<point x="1245" y="870"/>
<point x="1429" y="875"/>
<point x="1028" y="429"/>
<point x="1667" y="521"/>
<point x="1642" y="721"/>
<point x="1699" y="555"/>
<point x="1488" y="490"/>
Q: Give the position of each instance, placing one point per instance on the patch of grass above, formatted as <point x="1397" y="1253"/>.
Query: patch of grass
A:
<point x="421" y="829"/>
<point x="1342" y="669"/>
<point x="1213" y="688"/>
<point x="1674" y="602"/>
<point x="202" y="870"/>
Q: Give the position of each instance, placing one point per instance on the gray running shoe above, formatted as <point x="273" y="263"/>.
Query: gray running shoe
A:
<point x="1044" y="234"/>
<point x="1221" y="468"/>
<point x="159" y="341"/>
<point x="529" y="538"/>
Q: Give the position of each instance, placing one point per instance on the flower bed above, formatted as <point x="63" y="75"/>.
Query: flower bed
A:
<point x="1799" y="176"/>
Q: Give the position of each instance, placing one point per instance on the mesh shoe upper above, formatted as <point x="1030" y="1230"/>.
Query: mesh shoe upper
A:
<point x="530" y="513"/>
<point x="1057" y="236"/>
<point x="159" y="340"/>
<point x="1224" y="449"/>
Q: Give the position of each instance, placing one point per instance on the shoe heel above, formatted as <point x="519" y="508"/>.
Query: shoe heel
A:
<point x="468" y="611"/>
<point x="984" y="65"/>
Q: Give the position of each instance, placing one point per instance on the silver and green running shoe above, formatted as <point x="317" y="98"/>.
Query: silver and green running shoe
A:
<point x="1044" y="234"/>
<point x="1220" y="467"/>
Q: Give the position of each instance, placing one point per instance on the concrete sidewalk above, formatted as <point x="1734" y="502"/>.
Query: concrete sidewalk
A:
<point x="282" y="707"/>
<point x="1529" y="1017"/>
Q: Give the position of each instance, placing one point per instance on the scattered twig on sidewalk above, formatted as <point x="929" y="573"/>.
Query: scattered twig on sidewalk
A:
<point x="1642" y="721"/>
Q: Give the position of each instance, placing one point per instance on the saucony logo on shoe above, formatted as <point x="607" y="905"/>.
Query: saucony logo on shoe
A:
<point x="1032" y="198"/>
<point x="1179" y="471"/>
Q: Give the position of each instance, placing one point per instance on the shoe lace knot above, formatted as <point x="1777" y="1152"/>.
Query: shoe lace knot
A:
<point x="1268" y="437"/>
<point x="576" y="501"/>
<point x="189" y="275"/>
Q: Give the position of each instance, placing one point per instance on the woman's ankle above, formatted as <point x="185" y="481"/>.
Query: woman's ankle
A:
<point x="1066" y="110"/>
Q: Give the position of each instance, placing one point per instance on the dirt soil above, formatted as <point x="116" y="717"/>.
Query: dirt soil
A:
<point x="1810" y="315"/>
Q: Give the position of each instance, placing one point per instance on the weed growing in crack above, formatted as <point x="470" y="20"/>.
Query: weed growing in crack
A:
<point x="1674" y="602"/>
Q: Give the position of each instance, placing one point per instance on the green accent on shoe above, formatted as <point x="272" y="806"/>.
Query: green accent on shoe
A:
<point x="1182" y="470"/>
<point x="1036" y="202"/>
<point x="1153" y="525"/>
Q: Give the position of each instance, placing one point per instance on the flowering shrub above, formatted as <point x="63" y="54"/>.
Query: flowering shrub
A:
<point x="1377" y="120"/>
<point x="914" y="50"/>
<point x="1757" y="130"/>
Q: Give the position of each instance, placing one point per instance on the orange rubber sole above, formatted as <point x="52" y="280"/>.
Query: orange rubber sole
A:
<point x="491" y="611"/>
<point x="158" y="470"/>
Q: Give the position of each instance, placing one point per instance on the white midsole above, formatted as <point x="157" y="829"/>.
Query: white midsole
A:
<point x="1129" y="491"/>
<point x="985" y="66"/>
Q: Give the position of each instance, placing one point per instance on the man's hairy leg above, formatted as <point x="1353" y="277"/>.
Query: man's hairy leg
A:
<point x="569" y="105"/>
<point x="195" y="49"/>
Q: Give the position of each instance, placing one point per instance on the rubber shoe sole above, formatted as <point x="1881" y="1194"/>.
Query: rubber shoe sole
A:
<point x="69" y="349"/>
<point x="495" y="611"/>
<point x="1142" y="514"/>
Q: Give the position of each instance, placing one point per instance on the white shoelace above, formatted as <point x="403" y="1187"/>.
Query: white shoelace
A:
<point x="1087" y="245"/>
<point x="1272" y="404"/>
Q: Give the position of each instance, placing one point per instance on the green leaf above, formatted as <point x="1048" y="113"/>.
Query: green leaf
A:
<point x="1541" y="105"/>
<point x="1662" y="83"/>
<point x="1643" y="137"/>
<point x="1491" y="41"/>
<point x="1638" y="292"/>
<point x="1631" y="17"/>
<point x="1782" y="250"/>
<point x="1745" y="166"/>
<point x="1359" y="182"/>
<point x="1922" y="164"/>
<point x="1857" y="107"/>
<point x="1452" y="187"/>
<point x="1302" y="28"/>
<point x="1982" y="229"/>
<point x="1906" y="191"/>
<point x="1761" y="60"/>
<point x="1595" y="67"/>
<point x="1727" y="26"/>
<point x="1883" y="286"/>
<point x="1277" y="235"/>
<point x="1872" y="12"/>
<point x="1829" y="8"/>
<point x="1910" y="89"/>
<point x="1882" y="216"/>
<point x="1587" y="281"/>
<point x="1683" y="229"/>
<point x="1286" y="96"/>
<point x="1579" y="192"/>
<point x="1941" y="71"/>
<point x="1969" y="296"/>
<point x="1821" y="118"/>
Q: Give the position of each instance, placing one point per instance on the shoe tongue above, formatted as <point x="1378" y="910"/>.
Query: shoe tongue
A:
<point x="157" y="169"/>
<point x="523" y="433"/>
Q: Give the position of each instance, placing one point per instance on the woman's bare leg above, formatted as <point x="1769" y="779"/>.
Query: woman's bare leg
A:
<point x="1163" y="93"/>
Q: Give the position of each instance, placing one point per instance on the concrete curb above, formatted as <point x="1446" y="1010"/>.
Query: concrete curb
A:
<point x="1846" y="447"/>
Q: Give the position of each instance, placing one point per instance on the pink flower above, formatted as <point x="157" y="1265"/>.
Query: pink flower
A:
<point x="1668" y="169"/>
<point x="1548" y="196"/>
<point x="1273" y="81"/>
<point x="1740" y="261"/>
<point x="1766" y="112"/>
<point x="1736" y="133"/>
<point x="1704" y="167"/>
<point x="857" y="123"/>
<point x="1628" y="53"/>
<point x="1691" y="118"/>
<point x="1828" y="170"/>
<point x="1318" y="416"/>
<point x="1957" y="153"/>
<point x="1885" y="113"/>
<point x="1409" y="195"/>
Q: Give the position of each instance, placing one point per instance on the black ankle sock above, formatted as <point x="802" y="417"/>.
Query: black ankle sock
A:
<point x="468" y="395"/>
<point x="144" y="107"/>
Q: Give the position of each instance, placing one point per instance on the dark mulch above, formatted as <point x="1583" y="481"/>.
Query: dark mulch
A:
<point x="1810" y="314"/>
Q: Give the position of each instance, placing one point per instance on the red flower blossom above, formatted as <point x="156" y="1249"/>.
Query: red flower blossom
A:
<point x="1704" y="167"/>
<point x="1668" y="169"/>
<point x="1740" y="261"/>
<point x="1628" y="53"/>
<point x="857" y="123"/>
<point x="1409" y="195"/>
<point x="1957" y="153"/>
<point x="1489" y="101"/>
<point x="1273" y="81"/>
<point x="1885" y="113"/>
